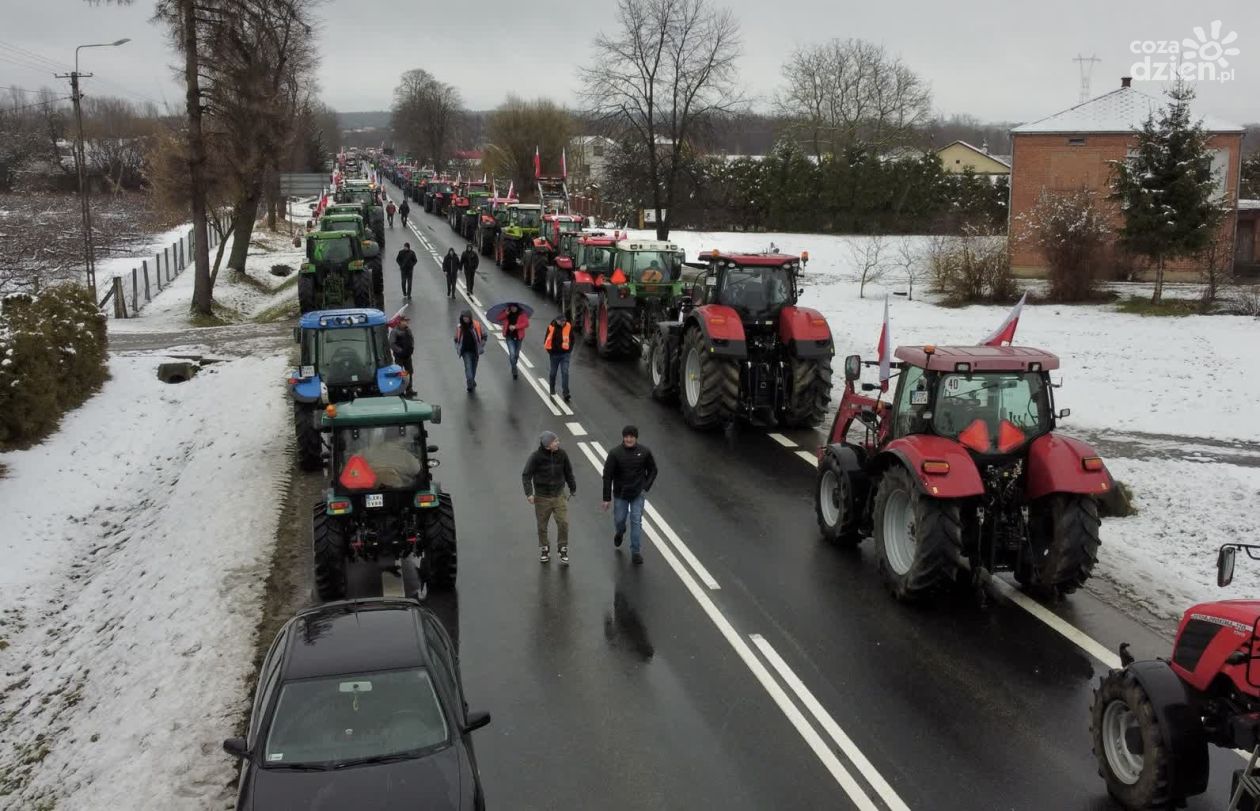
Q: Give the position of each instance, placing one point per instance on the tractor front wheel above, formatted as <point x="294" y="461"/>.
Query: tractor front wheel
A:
<point x="836" y="504"/>
<point x="810" y="379"/>
<point x="586" y="319"/>
<point x="710" y="385"/>
<point x="919" y="538"/>
<point x="440" y="547"/>
<point x="664" y="385"/>
<point x="308" y="294"/>
<point x="1062" y="544"/>
<point x="1133" y="753"/>
<point x="537" y="273"/>
<point x="329" y="547"/>
<point x="310" y="446"/>
<point x="616" y="331"/>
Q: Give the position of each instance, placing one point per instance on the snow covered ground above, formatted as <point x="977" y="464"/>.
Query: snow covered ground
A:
<point x="132" y="591"/>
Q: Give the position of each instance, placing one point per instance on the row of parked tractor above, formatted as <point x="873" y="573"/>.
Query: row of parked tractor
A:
<point x="961" y="474"/>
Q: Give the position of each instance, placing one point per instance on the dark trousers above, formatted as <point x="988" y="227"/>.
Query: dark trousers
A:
<point x="469" y="276"/>
<point x="406" y="280"/>
<point x="451" y="278"/>
<point x="560" y="366"/>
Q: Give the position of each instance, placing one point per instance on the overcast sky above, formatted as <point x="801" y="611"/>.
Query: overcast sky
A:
<point x="997" y="61"/>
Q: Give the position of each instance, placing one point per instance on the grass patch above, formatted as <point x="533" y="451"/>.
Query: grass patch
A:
<point x="220" y="316"/>
<point x="1141" y="305"/>
<point x="1118" y="502"/>
<point x="286" y="310"/>
<point x="236" y="277"/>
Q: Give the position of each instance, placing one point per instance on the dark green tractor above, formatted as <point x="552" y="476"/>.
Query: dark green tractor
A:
<point x="335" y="273"/>
<point x="382" y="504"/>
<point x="470" y="213"/>
<point x="354" y="224"/>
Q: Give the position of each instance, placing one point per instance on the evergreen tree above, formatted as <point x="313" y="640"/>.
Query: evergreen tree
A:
<point x="1166" y="188"/>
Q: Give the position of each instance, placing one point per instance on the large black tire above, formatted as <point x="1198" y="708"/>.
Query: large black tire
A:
<point x="487" y="244"/>
<point x="378" y="284"/>
<point x="1063" y="544"/>
<point x="810" y="393"/>
<point x="329" y="547"/>
<point x="615" y="338"/>
<point x="361" y="288"/>
<point x="1153" y="787"/>
<point x="935" y="528"/>
<point x="509" y="260"/>
<point x="310" y="447"/>
<point x="536" y="274"/>
<point x="714" y="399"/>
<point x="664" y="385"/>
<point x="441" y="550"/>
<point x="498" y="252"/>
<point x="835" y="504"/>
<point x="308" y="295"/>
<point x="586" y="321"/>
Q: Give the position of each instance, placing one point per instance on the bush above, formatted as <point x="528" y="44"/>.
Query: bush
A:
<point x="974" y="267"/>
<point x="1071" y="232"/>
<point x="52" y="358"/>
<point x="1244" y="300"/>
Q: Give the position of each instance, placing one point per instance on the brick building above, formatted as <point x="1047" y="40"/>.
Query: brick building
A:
<point x="1074" y="149"/>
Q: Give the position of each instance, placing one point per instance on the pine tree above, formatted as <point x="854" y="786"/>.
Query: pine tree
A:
<point x="1166" y="188"/>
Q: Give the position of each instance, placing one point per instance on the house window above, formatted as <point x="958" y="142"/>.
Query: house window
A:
<point x="597" y="149"/>
<point x="1220" y="173"/>
<point x="1076" y="142"/>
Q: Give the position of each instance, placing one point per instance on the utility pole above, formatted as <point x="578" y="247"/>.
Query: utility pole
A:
<point x="1087" y="69"/>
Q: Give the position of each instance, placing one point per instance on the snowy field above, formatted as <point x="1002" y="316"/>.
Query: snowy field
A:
<point x="132" y="592"/>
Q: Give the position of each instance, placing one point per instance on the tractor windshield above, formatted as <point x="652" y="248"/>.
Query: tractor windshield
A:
<point x="341" y="225"/>
<point x="527" y="217"/>
<point x="596" y="259"/>
<point x="757" y="291"/>
<point x="568" y="226"/>
<point x="650" y="266"/>
<point x="392" y="454"/>
<point x="346" y="357"/>
<point x="364" y="196"/>
<point x="994" y="412"/>
<point x="331" y="250"/>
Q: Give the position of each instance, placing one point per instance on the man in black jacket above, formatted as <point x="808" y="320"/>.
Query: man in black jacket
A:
<point x="450" y="266"/>
<point x="545" y="475"/>
<point x="406" y="260"/>
<point x="629" y="472"/>
<point x="469" y="260"/>
<point x="403" y="344"/>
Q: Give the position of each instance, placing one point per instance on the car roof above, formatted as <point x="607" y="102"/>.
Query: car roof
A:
<point x="981" y="358"/>
<point x="342" y="318"/>
<point x="354" y="636"/>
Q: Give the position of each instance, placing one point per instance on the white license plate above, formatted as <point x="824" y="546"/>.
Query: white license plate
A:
<point x="376" y="500"/>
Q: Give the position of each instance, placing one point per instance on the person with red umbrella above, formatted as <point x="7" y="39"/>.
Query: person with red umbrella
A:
<point x="513" y="319"/>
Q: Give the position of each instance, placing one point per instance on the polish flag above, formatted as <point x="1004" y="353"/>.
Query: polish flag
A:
<point x="564" y="166"/>
<point x="537" y="163"/>
<point x="395" y="318"/>
<point x="511" y="186"/>
<point x="885" y="351"/>
<point x="1004" y="335"/>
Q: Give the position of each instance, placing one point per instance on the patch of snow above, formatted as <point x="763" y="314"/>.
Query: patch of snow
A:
<point x="131" y="594"/>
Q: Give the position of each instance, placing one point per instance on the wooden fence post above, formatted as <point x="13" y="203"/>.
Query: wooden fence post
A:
<point x="166" y="254"/>
<point x="135" y="291"/>
<point x="120" y="301"/>
<point x="145" y="263"/>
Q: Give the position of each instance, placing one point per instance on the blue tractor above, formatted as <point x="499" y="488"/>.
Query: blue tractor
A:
<point x="344" y="355"/>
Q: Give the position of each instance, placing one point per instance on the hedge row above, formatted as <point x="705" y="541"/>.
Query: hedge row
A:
<point x="52" y="357"/>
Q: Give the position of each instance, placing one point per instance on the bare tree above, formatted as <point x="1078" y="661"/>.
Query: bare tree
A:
<point x="669" y="67"/>
<point x="1216" y="266"/>
<point x="118" y="134"/>
<point x="912" y="264"/>
<point x="427" y="114"/>
<point x="868" y="262"/>
<point x="517" y="128"/>
<point x="843" y="92"/>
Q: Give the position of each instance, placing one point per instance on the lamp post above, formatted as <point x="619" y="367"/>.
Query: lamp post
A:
<point x="80" y="160"/>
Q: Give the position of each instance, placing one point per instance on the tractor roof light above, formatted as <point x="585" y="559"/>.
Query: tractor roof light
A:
<point x="962" y="367"/>
<point x="929" y="349"/>
<point x="1034" y="366"/>
<point x="331" y="411"/>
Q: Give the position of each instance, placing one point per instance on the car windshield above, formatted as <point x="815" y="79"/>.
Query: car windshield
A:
<point x="338" y="720"/>
<point x="756" y="290"/>
<point x="994" y="411"/>
<point x="346" y="356"/>
<point x="391" y="453"/>
<point x="527" y="217"/>
<point x="649" y="266"/>
<point x="331" y="250"/>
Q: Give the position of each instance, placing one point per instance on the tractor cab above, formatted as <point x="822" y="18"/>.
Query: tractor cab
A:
<point x="351" y="223"/>
<point x="646" y="262"/>
<point x="554" y="226"/>
<point x="757" y="286"/>
<point x="524" y="218"/>
<point x="379" y="447"/>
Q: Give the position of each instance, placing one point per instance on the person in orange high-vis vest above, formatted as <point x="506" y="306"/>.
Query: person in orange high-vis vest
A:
<point x="470" y="342"/>
<point x="559" y="343"/>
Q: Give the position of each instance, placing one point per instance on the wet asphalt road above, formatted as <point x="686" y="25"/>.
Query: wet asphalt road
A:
<point x="614" y="686"/>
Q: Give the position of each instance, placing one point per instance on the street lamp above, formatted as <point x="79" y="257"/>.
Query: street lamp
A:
<point x="80" y="160"/>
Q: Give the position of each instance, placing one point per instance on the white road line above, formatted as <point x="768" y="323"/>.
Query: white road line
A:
<point x="777" y="694"/>
<point x="525" y="360"/>
<point x="812" y="458"/>
<point x="1058" y="624"/>
<point x="556" y="399"/>
<point x="576" y="428"/>
<point x="541" y="392"/>
<point x="829" y="725"/>
<point x="782" y="440"/>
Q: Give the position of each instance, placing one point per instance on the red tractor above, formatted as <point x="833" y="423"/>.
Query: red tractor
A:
<point x="1153" y="720"/>
<point x="585" y="262"/>
<point x="539" y="260"/>
<point x="738" y="346"/>
<point x="962" y="475"/>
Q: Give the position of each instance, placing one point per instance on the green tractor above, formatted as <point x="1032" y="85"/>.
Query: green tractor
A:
<point x="367" y="197"/>
<point x="335" y="273"/>
<point x="382" y="504"/>
<point x="470" y="214"/>
<point x="641" y="284"/>
<point x="353" y="223"/>
<point x="521" y="225"/>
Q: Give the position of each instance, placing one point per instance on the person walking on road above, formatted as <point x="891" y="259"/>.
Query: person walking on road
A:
<point x="470" y="342"/>
<point x="468" y="260"/>
<point x="546" y="473"/>
<point x="450" y="266"/>
<point x="390" y="210"/>
<point x="629" y="472"/>
<point x="403" y="344"/>
<point x="403" y="211"/>
<point x="514" y="322"/>
<point x="559" y="343"/>
<point x="406" y="260"/>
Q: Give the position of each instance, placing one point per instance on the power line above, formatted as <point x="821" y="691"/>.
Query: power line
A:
<point x="33" y="106"/>
<point x="21" y="90"/>
<point x="39" y="58"/>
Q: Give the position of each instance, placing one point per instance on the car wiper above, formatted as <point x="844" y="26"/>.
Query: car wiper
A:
<point x="298" y="767"/>
<point x="376" y="759"/>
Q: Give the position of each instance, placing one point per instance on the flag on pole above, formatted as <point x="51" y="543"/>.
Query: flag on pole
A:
<point x="511" y="186"/>
<point x="564" y="165"/>
<point x="394" y="319"/>
<point x="885" y="350"/>
<point x="537" y="163"/>
<point x="1004" y="335"/>
<point x="484" y="177"/>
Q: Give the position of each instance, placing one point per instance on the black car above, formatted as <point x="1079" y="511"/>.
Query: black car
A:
<point x="360" y="705"/>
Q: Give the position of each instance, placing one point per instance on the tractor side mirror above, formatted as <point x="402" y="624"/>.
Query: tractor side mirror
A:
<point x="436" y="419"/>
<point x="852" y="367"/>
<point x="1225" y="566"/>
<point x="431" y="449"/>
<point x="1064" y="413"/>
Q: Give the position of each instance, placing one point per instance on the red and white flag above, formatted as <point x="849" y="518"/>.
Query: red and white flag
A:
<point x="564" y="165"/>
<point x="395" y="318"/>
<point x="885" y="351"/>
<point x="1004" y="335"/>
<point x="511" y="186"/>
<point x="537" y="163"/>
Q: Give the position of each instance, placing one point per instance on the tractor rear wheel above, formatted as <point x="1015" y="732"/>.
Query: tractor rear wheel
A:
<point x="615" y="338"/>
<point x="664" y="385"/>
<point x="508" y="261"/>
<point x="835" y="504"/>
<point x="810" y="379"/>
<point x="310" y="447"/>
<point x="1062" y="543"/>
<point x="308" y="300"/>
<point x="710" y="385"/>
<point x="1134" y="756"/>
<point x="361" y="288"/>
<point x="440" y="547"/>
<point x="537" y="273"/>
<point x="919" y="538"/>
<point x="329" y="547"/>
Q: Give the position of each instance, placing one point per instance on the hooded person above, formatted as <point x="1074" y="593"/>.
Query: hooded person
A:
<point x="470" y="343"/>
<point x="469" y="260"/>
<point x="450" y="266"/>
<point x="403" y="344"/>
<point x="546" y="473"/>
